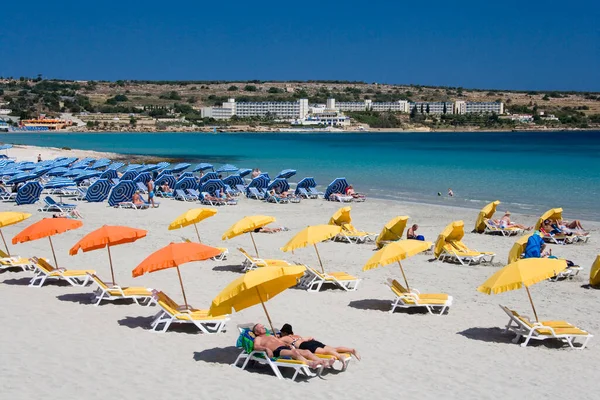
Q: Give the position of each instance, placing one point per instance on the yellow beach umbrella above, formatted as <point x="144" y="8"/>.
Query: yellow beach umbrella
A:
<point x="518" y="248"/>
<point x="248" y="225"/>
<point x="553" y="213"/>
<point x="392" y="231"/>
<point x="396" y="252"/>
<point x="254" y="287"/>
<point x="312" y="235"/>
<point x="8" y="218"/>
<point x="453" y="232"/>
<point x="521" y="273"/>
<point x="595" y="272"/>
<point x="486" y="213"/>
<point x="192" y="216"/>
<point x="341" y="217"/>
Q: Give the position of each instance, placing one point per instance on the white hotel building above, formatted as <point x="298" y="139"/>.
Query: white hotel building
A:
<point x="468" y="107"/>
<point x="278" y="109"/>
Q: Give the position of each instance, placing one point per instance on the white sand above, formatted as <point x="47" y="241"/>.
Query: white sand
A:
<point x="56" y="345"/>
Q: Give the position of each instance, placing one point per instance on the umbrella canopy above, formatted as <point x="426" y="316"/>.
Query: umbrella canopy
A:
<point x="109" y="174"/>
<point x="8" y="218"/>
<point x="260" y="182"/>
<point x="338" y="185"/>
<point x="143" y="177"/>
<point x="56" y="183"/>
<point x="595" y="272"/>
<point x="21" y="177"/>
<point x="521" y="273"/>
<point x="115" y="166"/>
<point x="244" y="171"/>
<point x="392" y="231"/>
<point x="248" y="224"/>
<point x="86" y="175"/>
<point x="163" y="165"/>
<point x="166" y="178"/>
<point x="208" y="176"/>
<point x="100" y="163"/>
<point x="129" y="175"/>
<point x="203" y="167"/>
<point x="186" y="183"/>
<point x="453" y="232"/>
<point x="396" y="252"/>
<point x="212" y="186"/>
<point x="173" y="255"/>
<point x="107" y="236"/>
<point x="280" y="185"/>
<point x="98" y="191"/>
<point x="254" y="287"/>
<point x="47" y="227"/>
<point x="29" y="193"/>
<point x="192" y="216"/>
<point x="312" y="235"/>
<point x="486" y="213"/>
<point x="286" y="174"/>
<point x="179" y="167"/>
<point x="341" y="217"/>
<point x="227" y="168"/>
<point x="518" y="248"/>
<point x="57" y="171"/>
<point x="553" y="213"/>
<point x="233" y="181"/>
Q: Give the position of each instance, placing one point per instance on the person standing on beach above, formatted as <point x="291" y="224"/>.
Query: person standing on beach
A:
<point x="150" y="185"/>
<point x="39" y="158"/>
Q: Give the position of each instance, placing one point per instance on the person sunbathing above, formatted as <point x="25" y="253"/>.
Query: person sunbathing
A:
<point x="224" y="195"/>
<point x="264" y="229"/>
<point x="165" y="188"/>
<point x="339" y="197"/>
<point x="312" y="345"/>
<point x="137" y="199"/>
<point x="275" y="347"/>
<point x="573" y="226"/>
<point x="505" y="223"/>
<point x="74" y="214"/>
<point x="351" y="192"/>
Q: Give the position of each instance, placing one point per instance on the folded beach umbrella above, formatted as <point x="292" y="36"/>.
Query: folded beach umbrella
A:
<point x="186" y="183"/>
<point x="396" y="252"/>
<point x="143" y="177"/>
<point x="312" y="235"/>
<point x="29" y="193"/>
<point x="107" y="236"/>
<point x="553" y="214"/>
<point x="98" y="191"/>
<point x="254" y="287"/>
<point x="207" y="176"/>
<point x="203" y="167"/>
<point x="338" y="185"/>
<point x="392" y="231"/>
<point x="129" y="175"/>
<point x="248" y="225"/>
<point x="523" y="273"/>
<point x="244" y="171"/>
<point x="192" y="216"/>
<point x="109" y="174"/>
<point x="228" y="168"/>
<point x="180" y="167"/>
<point x="286" y="174"/>
<point x="453" y="232"/>
<point x="173" y="255"/>
<point x="486" y="213"/>
<point x="169" y="179"/>
<point x="122" y="192"/>
<point x="341" y="217"/>
<point x="57" y="183"/>
<point x="212" y="186"/>
<point x="518" y="248"/>
<point x="47" y="227"/>
<point x="595" y="272"/>
<point x="8" y="218"/>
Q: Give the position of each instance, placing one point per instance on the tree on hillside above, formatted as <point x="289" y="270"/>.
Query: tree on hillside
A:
<point x="250" y="88"/>
<point x="233" y="88"/>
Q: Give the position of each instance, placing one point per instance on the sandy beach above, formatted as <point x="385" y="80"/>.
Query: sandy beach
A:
<point x="57" y="345"/>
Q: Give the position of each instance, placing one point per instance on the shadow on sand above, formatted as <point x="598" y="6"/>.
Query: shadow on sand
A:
<point x="219" y="355"/>
<point x="228" y="268"/>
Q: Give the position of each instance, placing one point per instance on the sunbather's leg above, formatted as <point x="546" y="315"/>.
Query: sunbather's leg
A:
<point x="335" y="351"/>
<point x="312" y="360"/>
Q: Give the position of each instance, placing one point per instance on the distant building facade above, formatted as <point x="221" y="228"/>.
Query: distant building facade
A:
<point x="470" y="107"/>
<point x="278" y="109"/>
<point x="432" y="107"/>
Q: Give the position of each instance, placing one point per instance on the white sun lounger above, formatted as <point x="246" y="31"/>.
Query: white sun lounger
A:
<point x="44" y="271"/>
<point x="433" y="302"/>
<point x="140" y="295"/>
<point x="314" y="280"/>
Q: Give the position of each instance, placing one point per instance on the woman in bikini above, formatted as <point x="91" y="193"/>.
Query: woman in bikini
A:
<point x="312" y="345"/>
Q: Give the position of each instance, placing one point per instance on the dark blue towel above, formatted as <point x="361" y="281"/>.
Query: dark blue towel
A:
<point x="534" y="246"/>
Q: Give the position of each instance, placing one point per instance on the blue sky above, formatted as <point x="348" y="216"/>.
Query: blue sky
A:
<point x="505" y="45"/>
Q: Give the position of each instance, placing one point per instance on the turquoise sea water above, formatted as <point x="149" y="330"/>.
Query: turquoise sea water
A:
<point x="528" y="171"/>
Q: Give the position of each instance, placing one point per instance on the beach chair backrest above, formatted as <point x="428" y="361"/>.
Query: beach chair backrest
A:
<point x="396" y="285"/>
<point x="45" y="265"/>
<point x="49" y="201"/>
<point x="99" y="281"/>
<point x="3" y="254"/>
<point x="245" y="253"/>
<point x="255" y="192"/>
<point x="167" y="303"/>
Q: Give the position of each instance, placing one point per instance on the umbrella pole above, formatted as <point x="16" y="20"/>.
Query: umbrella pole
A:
<point x="197" y="234"/>
<point x="254" y="243"/>
<point x="53" y="254"/>
<point x="265" y="308"/>
<point x="5" y="245"/>
<point x="182" y="289"/>
<point x="404" y="276"/>
<point x="532" y="306"/>
<point x="112" y="272"/>
<point x="319" y="257"/>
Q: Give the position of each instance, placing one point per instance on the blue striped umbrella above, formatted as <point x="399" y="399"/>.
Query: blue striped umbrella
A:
<point x="29" y="193"/>
<point x="210" y="175"/>
<point x="57" y="183"/>
<point x="228" y="168"/>
<point x="212" y="185"/>
<point x="144" y="177"/>
<point x="186" y="173"/>
<point x="100" y="163"/>
<point x="233" y="180"/>
<point x="4" y="163"/>
<point x="129" y="175"/>
<point x="203" y="167"/>
<point x="115" y="166"/>
<point x="260" y="182"/>
<point x="280" y="185"/>
<point x="266" y="175"/>
<point x="109" y="174"/>
<point x="57" y="171"/>
<point x="244" y="171"/>
<point x="180" y="167"/>
<point x="163" y="165"/>
<point x="98" y="191"/>
<point x="169" y="179"/>
<point x="286" y="174"/>
<point x="305" y="183"/>
<point x="338" y="185"/>
<point x="87" y="175"/>
<point x="122" y="192"/>
<point x="21" y="177"/>
<point x="186" y="183"/>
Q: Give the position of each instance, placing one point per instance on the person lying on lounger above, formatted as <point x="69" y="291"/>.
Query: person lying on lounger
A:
<point x="264" y="229"/>
<point x="165" y="188"/>
<point x="312" y="345"/>
<point x="275" y="347"/>
<point x="350" y="192"/>
<point x="75" y="214"/>
<point x="209" y="197"/>
<point x="505" y="222"/>
<point x="224" y="195"/>
<point x="572" y="227"/>
<point x="137" y="199"/>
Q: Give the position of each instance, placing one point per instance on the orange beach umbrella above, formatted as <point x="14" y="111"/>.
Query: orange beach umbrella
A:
<point x="107" y="236"/>
<point x="173" y="255"/>
<point x="47" y="227"/>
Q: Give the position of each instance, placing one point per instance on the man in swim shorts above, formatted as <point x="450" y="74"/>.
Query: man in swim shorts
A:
<point x="312" y="345"/>
<point x="150" y="185"/>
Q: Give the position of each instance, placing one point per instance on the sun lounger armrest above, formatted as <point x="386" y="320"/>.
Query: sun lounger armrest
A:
<point x="415" y="291"/>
